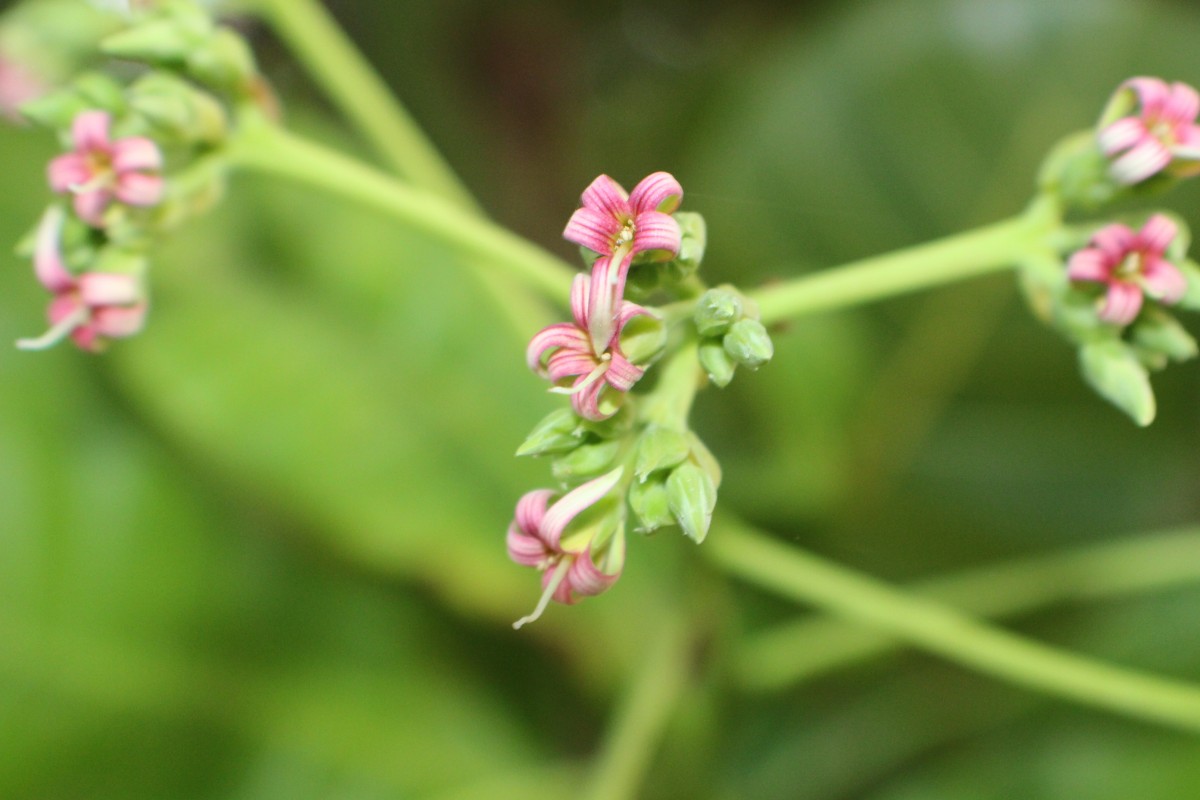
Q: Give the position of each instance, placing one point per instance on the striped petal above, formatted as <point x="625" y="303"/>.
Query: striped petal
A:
<point x="135" y="153"/>
<point x="585" y="579"/>
<point x="656" y="192"/>
<point x="1115" y="241"/>
<point x="560" y="334"/>
<point x="1122" y="303"/>
<point x="657" y="233"/>
<point x="1181" y="106"/>
<point x="89" y="131"/>
<point x="118" y="322"/>
<point x="593" y="229"/>
<point x="621" y="374"/>
<point x="90" y="206"/>
<point x="1163" y="281"/>
<point x="1090" y="264"/>
<point x="67" y="171"/>
<point x="574" y="502"/>
<point x="1146" y="158"/>
<point x="48" y="264"/>
<point x="1156" y="235"/>
<point x="138" y="189"/>
<point x="607" y="197"/>
<point x="108" y="289"/>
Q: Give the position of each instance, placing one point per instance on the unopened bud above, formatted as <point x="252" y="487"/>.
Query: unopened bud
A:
<point x="176" y="110"/>
<point x="223" y="62"/>
<point x="1159" y="332"/>
<point x="717" y="363"/>
<point x="650" y="503"/>
<point x="1113" y="370"/>
<point x="559" y="432"/>
<point x="749" y="344"/>
<point x="692" y="496"/>
<point x="716" y="310"/>
<point x="159" y="41"/>
<point x="585" y="461"/>
<point x="692" y="242"/>
<point x="659" y="448"/>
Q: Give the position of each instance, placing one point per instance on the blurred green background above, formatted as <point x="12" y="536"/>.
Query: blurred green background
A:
<point x="258" y="552"/>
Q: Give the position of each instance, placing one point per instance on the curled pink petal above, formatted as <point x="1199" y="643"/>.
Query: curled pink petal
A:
<point x="1181" y="106"/>
<point x="658" y="191"/>
<point x="1141" y="161"/>
<point x="1163" y="281"/>
<point x="90" y="206"/>
<point x="607" y="197"/>
<point x="1121" y="135"/>
<point x="1159" y="131"/>
<point x="621" y="374"/>
<point x="1156" y="235"/>
<point x="119" y="322"/>
<point x="585" y="400"/>
<point x="47" y="260"/>
<point x="106" y="289"/>
<point x="135" y="153"/>
<point x="657" y="232"/>
<point x="586" y="579"/>
<point x="557" y="335"/>
<point x="67" y="171"/>
<point x="1115" y="241"/>
<point x="136" y="189"/>
<point x="1090" y="264"/>
<point x="574" y="503"/>
<point x="593" y="229"/>
<point x="89" y="131"/>
<point x="1121" y="304"/>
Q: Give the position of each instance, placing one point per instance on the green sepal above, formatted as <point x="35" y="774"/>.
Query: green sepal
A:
<point x="749" y="344"/>
<point x="650" y="503"/>
<point x="716" y="362"/>
<point x="585" y="461"/>
<point x="224" y="62"/>
<point x="165" y="40"/>
<point x="659" y="448"/>
<point x="692" y="242"/>
<point x="643" y="339"/>
<point x="1160" y="333"/>
<point x="1076" y="172"/>
<point x="692" y="496"/>
<point x="55" y="110"/>
<point x="1191" y="272"/>
<point x="1112" y="368"/>
<point x="176" y="110"/>
<point x="558" y="432"/>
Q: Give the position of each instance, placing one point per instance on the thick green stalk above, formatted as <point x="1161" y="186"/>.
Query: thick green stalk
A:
<point x="1143" y="563"/>
<point x="626" y="753"/>
<point x="349" y="81"/>
<point x="266" y="148"/>
<point x="938" y="629"/>
<point x="965" y="255"/>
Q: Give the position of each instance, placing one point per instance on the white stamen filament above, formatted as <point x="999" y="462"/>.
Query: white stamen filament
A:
<point x="58" y="332"/>
<point x="560" y="572"/>
<point x="591" y="378"/>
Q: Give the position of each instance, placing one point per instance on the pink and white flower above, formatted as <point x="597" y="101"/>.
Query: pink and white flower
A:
<point x="1159" y="135"/>
<point x="1131" y="264"/>
<point x="620" y="227"/>
<point x="90" y="308"/>
<point x="100" y="170"/>
<point x="566" y="354"/>
<point x="577" y="567"/>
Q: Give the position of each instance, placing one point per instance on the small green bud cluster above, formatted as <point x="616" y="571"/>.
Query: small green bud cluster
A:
<point x="730" y="334"/>
<point x="676" y="480"/>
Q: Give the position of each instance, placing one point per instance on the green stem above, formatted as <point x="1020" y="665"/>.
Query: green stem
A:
<point x="266" y="148"/>
<point x="670" y="402"/>
<point x="965" y="255"/>
<point x="1146" y="562"/>
<point x="350" y="82"/>
<point x="951" y="634"/>
<point x="642" y="716"/>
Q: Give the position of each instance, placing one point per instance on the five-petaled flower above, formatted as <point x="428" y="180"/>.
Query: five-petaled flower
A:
<point x="99" y="170"/>
<point x="1160" y="135"/>
<point x="90" y="308"/>
<point x="620" y="227"/>
<point x="584" y="564"/>
<point x="1131" y="264"/>
<point x="573" y="355"/>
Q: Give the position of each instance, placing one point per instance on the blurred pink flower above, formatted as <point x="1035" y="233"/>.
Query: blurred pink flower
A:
<point x="1161" y="133"/>
<point x="90" y="308"/>
<point x="572" y="354"/>
<point x="18" y="85"/>
<point x="620" y="226"/>
<point x="569" y="571"/>
<point x="1131" y="265"/>
<point x="100" y="170"/>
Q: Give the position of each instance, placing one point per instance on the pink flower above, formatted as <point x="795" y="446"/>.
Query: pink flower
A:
<point x="572" y="355"/>
<point x="620" y="226"/>
<point x="100" y="170"/>
<point x="579" y="567"/>
<point x="1130" y="264"/>
<point x="89" y="308"/>
<point x="1161" y="135"/>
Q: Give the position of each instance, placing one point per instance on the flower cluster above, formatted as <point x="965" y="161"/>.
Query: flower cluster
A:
<point x="1109" y="291"/>
<point x="140" y="157"/>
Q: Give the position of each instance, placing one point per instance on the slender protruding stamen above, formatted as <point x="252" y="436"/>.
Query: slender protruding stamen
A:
<point x="560" y="572"/>
<point x="591" y="378"/>
<point x="57" y="332"/>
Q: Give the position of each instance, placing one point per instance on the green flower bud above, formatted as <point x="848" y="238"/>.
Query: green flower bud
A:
<point x="716" y="310"/>
<point x="693" y="241"/>
<point x="1159" y="332"/>
<point x="559" y="432"/>
<point x="749" y="344"/>
<point x="585" y="461"/>
<point x="659" y="448"/>
<point x="1191" y="271"/>
<point x="692" y="496"/>
<point x="55" y="110"/>
<point x="716" y="362"/>
<point x="159" y="41"/>
<point x="97" y="90"/>
<point x="1076" y="172"/>
<point x="704" y="458"/>
<point x="1113" y="370"/>
<point x="650" y="503"/>
<point x="224" y="62"/>
<point x="175" y="110"/>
